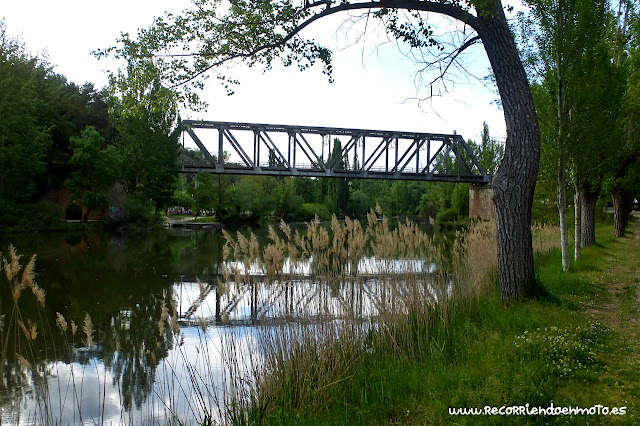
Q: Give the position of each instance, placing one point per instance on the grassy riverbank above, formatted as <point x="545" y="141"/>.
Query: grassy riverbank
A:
<point x="575" y="346"/>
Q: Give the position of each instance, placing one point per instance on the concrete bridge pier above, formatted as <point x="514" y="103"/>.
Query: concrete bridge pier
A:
<point x="481" y="205"/>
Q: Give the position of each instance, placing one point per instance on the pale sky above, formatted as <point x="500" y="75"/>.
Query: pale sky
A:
<point x="372" y="90"/>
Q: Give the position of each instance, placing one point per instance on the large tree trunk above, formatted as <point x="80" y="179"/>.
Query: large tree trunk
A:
<point x="515" y="181"/>
<point x="620" y="212"/>
<point x="589" y="200"/>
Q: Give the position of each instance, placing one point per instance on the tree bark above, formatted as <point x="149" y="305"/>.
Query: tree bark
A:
<point x="85" y="217"/>
<point x="621" y="199"/>
<point x="562" y="212"/>
<point x="577" y="202"/>
<point x="515" y="181"/>
<point x="589" y="200"/>
<point x="620" y="212"/>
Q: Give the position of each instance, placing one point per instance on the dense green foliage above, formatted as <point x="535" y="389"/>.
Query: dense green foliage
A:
<point x="582" y="57"/>
<point x="39" y="113"/>
<point x="96" y="169"/>
<point x="57" y="136"/>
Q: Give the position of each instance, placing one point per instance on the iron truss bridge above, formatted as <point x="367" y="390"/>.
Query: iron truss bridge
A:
<point x="280" y="150"/>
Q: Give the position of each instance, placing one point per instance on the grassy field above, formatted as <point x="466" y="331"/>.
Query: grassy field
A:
<point x="576" y="346"/>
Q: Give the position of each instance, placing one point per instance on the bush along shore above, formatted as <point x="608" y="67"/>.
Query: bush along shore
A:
<point x="432" y="342"/>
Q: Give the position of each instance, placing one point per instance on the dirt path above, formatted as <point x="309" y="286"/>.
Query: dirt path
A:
<point x="621" y="309"/>
<point x="618" y="307"/>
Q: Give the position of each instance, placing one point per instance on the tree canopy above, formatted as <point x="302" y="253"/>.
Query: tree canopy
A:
<point x="96" y="169"/>
<point x="579" y="54"/>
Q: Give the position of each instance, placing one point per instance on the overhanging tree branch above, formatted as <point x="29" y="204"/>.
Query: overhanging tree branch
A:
<point x="451" y="58"/>
<point x="225" y="57"/>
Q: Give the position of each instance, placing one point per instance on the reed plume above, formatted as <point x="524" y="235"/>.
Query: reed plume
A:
<point x="164" y="317"/>
<point x="174" y="319"/>
<point x="203" y="291"/>
<point x="61" y="321"/>
<point x="12" y="266"/>
<point x="88" y="330"/>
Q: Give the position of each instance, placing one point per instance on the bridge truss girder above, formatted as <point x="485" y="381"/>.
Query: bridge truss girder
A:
<point x="280" y="150"/>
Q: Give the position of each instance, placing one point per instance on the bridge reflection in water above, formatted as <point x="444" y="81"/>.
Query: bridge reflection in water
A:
<point x="248" y="297"/>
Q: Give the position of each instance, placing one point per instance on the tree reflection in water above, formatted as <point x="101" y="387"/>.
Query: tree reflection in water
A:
<point x="121" y="282"/>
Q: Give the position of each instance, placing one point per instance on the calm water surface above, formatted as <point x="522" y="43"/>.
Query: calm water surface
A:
<point x="134" y="370"/>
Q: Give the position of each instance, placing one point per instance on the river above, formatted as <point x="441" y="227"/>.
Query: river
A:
<point x="134" y="288"/>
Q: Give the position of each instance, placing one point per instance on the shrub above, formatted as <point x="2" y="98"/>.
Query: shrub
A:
<point x="448" y="215"/>
<point x="460" y="200"/>
<point x="308" y="211"/>
<point x="135" y="212"/>
<point x="26" y="217"/>
<point x="360" y="202"/>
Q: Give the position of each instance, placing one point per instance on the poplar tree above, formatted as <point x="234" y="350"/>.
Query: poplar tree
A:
<point x="577" y="97"/>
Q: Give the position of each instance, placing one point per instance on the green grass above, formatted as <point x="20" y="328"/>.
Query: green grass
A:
<point x="475" y="363"/>
<point x="577" y="347"/>
<point x="206" y="219"/>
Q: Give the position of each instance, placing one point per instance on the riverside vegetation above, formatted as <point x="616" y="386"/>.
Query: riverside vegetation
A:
<point x="439" y="337"/>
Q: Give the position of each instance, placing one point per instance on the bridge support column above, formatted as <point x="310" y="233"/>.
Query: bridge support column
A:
<point x="481" y="205"/>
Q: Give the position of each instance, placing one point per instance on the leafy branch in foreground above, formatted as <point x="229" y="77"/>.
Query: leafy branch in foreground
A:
<point x="183" y="49"/>
<point x="209" y="39"/>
